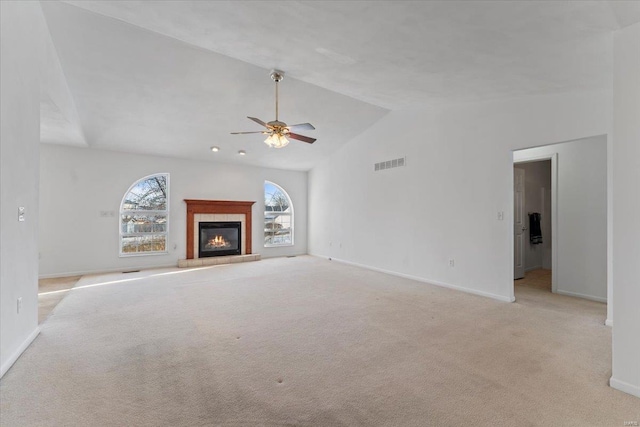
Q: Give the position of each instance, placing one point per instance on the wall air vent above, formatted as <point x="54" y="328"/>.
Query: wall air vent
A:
<point x="395" y="163"/>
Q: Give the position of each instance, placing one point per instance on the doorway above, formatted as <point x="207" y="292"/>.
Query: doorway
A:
<point x="533" y="231"/>
<point x="576" y="212"/>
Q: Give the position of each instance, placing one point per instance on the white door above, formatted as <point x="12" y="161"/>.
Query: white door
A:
<point x="518" y="223"/>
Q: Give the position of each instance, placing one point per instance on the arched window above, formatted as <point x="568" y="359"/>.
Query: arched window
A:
<point x="278" y="216"/>
<point x="144" y="216"/>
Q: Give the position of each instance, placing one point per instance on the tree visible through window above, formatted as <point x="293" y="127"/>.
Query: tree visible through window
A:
<point x="144" y="216"/>
<point x="278" y="216"/>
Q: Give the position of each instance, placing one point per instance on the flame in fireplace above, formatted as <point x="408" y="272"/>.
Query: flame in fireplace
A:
<point x="217" y="242"/>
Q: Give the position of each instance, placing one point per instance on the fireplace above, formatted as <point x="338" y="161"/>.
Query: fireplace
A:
<point x="217" y="211"/>
<point x="219" y="239"/>
<point x="218" y="247"/>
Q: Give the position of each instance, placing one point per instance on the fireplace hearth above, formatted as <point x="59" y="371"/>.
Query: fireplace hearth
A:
<point x="219" y="239"/>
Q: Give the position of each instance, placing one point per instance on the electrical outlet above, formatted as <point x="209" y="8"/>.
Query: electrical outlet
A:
<point x="19" y="305"/>
<point x="452" y="263"/>
<point x="500" y="215"/>
<point x="21" y="214"/>
<point x="340" y="244"/>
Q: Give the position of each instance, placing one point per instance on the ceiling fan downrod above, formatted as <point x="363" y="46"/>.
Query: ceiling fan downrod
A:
<point x="277" y="76"/>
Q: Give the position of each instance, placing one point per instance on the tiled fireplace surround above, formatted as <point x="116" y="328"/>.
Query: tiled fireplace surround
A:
<point x="214" y="211"/>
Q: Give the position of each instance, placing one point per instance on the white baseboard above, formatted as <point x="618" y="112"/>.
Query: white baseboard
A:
<point x="631" y="389"/>
<point x="608" y="322"/>
<point x="110" y="270"/>
<point x="423" y="280"/>
<point x="9" y="363"/>
<point x="575" y="294"/>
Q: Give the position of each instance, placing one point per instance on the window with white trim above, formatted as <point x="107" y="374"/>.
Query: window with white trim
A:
<point x="144" y="216"/>
<point x="278" y="216"/>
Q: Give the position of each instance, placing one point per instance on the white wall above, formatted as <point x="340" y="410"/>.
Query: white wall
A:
<point x="582" y="215"/>
<point x="537" y="194"/>
<point x="22" y="34"/>
<point x="77" y="184"/>
<point x="444" y="203"/>
<point x="626" y="211"/>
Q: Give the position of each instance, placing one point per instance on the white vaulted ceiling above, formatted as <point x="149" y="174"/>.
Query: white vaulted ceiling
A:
<point x="174" y="78"/>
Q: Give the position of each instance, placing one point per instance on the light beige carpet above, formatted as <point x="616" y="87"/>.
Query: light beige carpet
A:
<point x="306" y="341"/>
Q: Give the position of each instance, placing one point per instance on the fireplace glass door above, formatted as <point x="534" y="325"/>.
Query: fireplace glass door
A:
<point x="219" y="239"/>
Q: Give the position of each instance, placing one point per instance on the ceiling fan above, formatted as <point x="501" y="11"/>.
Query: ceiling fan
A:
<point x="279" y="131"/>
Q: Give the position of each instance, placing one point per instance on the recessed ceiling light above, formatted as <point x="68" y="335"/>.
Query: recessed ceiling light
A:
<point x="215" y="149"/>
<point x="242" y="152"/>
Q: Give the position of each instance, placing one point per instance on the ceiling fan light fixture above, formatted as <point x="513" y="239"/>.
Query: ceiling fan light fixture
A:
<point x="276" y="140"/>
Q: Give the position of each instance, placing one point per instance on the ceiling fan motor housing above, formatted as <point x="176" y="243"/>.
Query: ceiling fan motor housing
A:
<point x="277" y="124"/>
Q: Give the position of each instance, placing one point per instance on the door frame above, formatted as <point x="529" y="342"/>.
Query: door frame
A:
<point x="554" y="211"/>
<point x="519" y="228"/>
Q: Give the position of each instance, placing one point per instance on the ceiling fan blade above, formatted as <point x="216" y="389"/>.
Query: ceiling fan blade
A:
<point x="301" y="138"/>
<point x="302" y="126"/>
<point x="243" y="133"/>
<point x="260" y="122"/>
